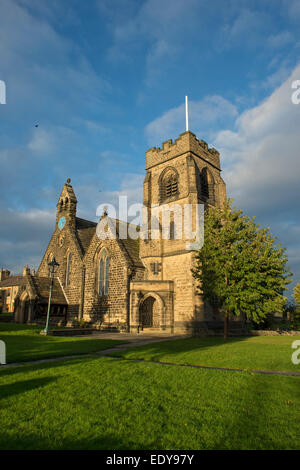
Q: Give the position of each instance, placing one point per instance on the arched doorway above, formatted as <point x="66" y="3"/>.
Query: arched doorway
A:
<point x="146" y="312"/>
<point x="21" y="308"/>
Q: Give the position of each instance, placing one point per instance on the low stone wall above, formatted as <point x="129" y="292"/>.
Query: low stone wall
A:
<point x="273" y="333"/>
<point x="73" y="332"/>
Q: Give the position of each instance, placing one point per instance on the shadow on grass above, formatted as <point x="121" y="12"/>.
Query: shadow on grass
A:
<point x="7" y="327"/>
<point x="39" y="367"/>
<point x="23" y="348"/>
<point x="156" y="351"/>
<point x="240" y="411"/>
<point x="7" y="391"/>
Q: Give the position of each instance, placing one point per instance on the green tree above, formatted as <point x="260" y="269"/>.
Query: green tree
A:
<point x="240" y="269"/>
<point x="296" y="295"/>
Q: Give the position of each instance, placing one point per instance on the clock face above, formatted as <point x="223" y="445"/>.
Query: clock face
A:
<point x="61" y="223"/>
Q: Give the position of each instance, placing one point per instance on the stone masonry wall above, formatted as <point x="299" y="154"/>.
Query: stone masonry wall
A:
<point x="111" y="308"/>
<point x="60" y="251"/>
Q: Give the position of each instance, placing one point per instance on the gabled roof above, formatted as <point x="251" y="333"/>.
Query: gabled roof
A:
<point x="131" y="246"/>
<point x="85" y="230"/>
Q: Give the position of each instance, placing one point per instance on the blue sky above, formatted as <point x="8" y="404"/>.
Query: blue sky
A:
<point x="105" y="80"/>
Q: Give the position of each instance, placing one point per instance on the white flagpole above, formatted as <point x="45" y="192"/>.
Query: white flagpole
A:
<point x="186" y="113"/>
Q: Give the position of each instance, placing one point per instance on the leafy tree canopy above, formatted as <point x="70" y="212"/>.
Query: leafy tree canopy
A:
<point x="240" y="268"/>
<point x="296" y="295"/>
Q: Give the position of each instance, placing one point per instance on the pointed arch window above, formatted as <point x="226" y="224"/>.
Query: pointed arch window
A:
<point x="106" y="276"/>
<point x="204" y="183"/>
<point x="68" y="269"/>
<point x="169" y="184"/>
<point x="103" y="276"/>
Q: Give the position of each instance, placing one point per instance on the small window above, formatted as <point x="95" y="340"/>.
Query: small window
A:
<point x="103" y="274"/>
<point x="155" y="267"/>
<point x="68" y="269"/>
<point x="172" y="230"/>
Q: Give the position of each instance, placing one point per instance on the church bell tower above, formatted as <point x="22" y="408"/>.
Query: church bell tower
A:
<point x="66" y="207"/>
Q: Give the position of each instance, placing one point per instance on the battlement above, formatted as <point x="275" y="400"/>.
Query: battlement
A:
<point x="186" y="142"/>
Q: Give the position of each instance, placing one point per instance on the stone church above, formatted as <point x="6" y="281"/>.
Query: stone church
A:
<point x="122" y="283"/>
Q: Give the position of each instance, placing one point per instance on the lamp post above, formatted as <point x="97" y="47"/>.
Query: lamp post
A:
<point x="53" y="263"/>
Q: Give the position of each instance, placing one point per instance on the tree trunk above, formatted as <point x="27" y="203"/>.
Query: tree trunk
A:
<point x="226" y="319"/>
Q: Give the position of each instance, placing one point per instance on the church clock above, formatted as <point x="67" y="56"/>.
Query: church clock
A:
<point x="61" y="223"/>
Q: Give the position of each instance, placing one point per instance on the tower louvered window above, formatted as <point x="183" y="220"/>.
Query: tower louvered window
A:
<point x="169" y="185"/>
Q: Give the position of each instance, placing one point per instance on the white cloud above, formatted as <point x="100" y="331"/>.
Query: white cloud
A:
<point x="245" y="27"/>
<point x="90" y="196"/>
<point x="209" y="113"/>
<point x="262" y="165"/>
<point x="24" y="237"/>
<point x="45" y="72"/>
<point x="293" y="8"/>
<point x="41" y="142"/>
<point x="259" y="154"/>
<point x="163" y="28"/>
<point x="47" y="139"/>
<point x="96" y="127"/>
<point x="281" y="39"/>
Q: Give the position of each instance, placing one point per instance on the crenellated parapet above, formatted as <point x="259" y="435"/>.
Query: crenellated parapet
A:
<point x="186" y="142"/>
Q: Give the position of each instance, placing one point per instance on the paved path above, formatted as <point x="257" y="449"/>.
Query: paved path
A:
<point x="134" y="341"/>
<point x="142" y="340"/>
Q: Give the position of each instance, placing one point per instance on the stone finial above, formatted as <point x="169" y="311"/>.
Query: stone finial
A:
<point x="68" y="180"/>
<point x="105" y="212"/>
<point x="26" y="270"/>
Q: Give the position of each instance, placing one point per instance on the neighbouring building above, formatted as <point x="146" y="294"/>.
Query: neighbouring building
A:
<point x="127" y="283"/>
<point x="10" y="288"/>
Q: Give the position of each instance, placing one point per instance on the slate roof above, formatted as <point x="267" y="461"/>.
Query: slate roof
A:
<point x="85" y="230"/>
<point x="41" y="286"/>
<point x="131" y="246"/>
<point x="17" y="280"/>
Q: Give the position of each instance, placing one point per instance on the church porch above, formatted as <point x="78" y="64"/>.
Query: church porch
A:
<point x="151" y="306"/>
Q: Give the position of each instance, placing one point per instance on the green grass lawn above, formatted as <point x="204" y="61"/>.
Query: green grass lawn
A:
<point x="109" y="403"/>
<point x="260" y="352"/>
<point x="24" y="343"/>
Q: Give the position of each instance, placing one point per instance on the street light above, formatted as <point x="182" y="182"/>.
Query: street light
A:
<point x="53" y="263"/>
